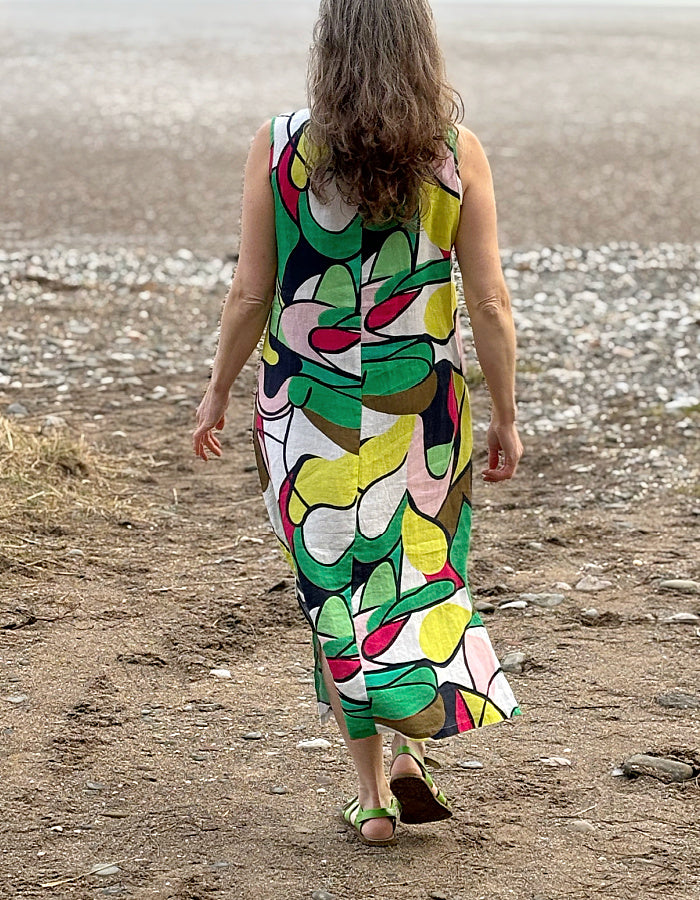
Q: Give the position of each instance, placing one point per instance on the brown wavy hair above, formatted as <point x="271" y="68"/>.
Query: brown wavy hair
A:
<point x="381" y="108"/>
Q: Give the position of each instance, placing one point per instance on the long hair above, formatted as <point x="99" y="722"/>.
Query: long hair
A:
<point x="381" y="108"/>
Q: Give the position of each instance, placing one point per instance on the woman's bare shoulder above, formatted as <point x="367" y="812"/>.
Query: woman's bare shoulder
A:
<point x="473" y="164"/>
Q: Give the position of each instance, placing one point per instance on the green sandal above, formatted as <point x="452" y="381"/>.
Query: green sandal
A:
<point x="414" y="792"/>
<point x="355" y="815"/>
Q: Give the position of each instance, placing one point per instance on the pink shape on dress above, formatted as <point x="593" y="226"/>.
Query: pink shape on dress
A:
<point x="465" y="720"/>
<point x="285" y="492"/>
<point x="428" y="493"/>
<point x="343" y="669"/>
<point x="388" y="310"/>
<point x="288" y="191"/>
<point x="333" y="340"/>
<point x="381" y="639"/>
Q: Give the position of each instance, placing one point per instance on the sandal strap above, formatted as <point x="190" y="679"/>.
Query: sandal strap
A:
<point x="380" y="812"/>
<point x="356" y="815"/>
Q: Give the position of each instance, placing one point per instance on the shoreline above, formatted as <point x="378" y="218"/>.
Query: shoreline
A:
<point x="587" y="122"/>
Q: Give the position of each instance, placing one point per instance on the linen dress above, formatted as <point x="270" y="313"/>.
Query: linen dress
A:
<point x="363" y="443"/>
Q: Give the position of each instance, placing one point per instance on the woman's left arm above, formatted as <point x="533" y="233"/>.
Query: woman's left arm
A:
<point x="247" y="305"/>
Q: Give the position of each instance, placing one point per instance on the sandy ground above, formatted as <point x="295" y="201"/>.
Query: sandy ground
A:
<point x="126" y="750"/>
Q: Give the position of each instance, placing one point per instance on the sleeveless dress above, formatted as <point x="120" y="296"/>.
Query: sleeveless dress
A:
<point x="363" y="442"/>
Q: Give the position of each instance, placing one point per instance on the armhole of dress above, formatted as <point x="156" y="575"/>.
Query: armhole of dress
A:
<point x="272" y="145"/>
<point x="453" y="144"/>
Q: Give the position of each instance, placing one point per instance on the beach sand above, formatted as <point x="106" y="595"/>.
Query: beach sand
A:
<point x="128" y="123"/>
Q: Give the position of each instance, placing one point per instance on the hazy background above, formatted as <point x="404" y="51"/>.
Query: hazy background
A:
<point x="127" y="121"/>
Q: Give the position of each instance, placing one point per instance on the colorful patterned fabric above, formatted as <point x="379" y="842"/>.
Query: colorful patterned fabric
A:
<point x="363" y="443"/>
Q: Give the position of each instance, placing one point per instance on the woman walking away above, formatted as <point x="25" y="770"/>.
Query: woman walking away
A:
<point x="362" y="428"/>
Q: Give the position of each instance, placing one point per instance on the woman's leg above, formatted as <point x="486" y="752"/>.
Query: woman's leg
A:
<point x="373" y="787"/>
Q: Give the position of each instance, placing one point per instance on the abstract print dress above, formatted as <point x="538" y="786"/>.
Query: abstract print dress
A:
<point x="363" y="443"/>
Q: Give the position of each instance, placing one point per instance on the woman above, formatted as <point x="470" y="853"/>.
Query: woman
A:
<point x="351" y="211"/>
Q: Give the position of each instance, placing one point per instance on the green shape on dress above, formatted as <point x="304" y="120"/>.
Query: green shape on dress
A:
<point x="338" y="245"/>
<point x="419" y="598"/>
<point x="380" y="587"/>
<point x="391" y="368"/>
<point x="327" y="392"/>
<point x="459" y="548"/>
<point x="394" y="256"/>
<point x="337" y="648"/>
<point x="288" y="236"/>
<point x="334" y="576"/>
<point x="434" y="271"/>
<point x="400" y="693"/>
<point x="439" y="458"/>
<point x="475" y="620"/>
<point x="339" y="318"/>
<point x="334" y="619"/>
<point x="337" y="288"/>
<point x="369" y="550"/>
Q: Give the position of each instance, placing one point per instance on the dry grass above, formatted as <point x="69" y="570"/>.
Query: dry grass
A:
<point x="48" y="481"/>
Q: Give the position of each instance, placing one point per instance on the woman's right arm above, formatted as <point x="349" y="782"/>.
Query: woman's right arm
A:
<point x="488" y="303"/>
<point x="247" y="305"/>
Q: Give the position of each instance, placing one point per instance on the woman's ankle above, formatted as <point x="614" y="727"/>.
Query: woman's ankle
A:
<point x="399" y="740"/>
<point x="373" y="796"/>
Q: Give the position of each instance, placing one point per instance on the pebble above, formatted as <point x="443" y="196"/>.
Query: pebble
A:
<point x="279" y="789"/>
<point x="513" y="661"/>
<point x="314" y="744"/>
<point x="483" y="606"/>
<point x="105" y="869"/>
<point x="253" y="736"/>
<point x="679" y="700"/>
<point x="94" y="786"/>
<point x="437" y="895"/>
<point x="470" y="764"/>
<point x="16" y="698"/>
<point x="220" y="673"/>
<point x="683" y="585"/>
<point x="592" y="583"/>
<point x="545" y="600"/>
<point x="555" y="761"/>
<point x="561" y="586"/>
<point x="681" y="618"/>
<point x="17" y="410"/>
<point x="582" y="826"/>
<point x="51" y="422"/>
<point x="322" y="895"/>
<point x="591" y="613"/>
<point x="667" y="770"/>
<point x="514" y="604"/>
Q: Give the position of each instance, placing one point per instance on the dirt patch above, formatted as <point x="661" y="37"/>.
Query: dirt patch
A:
<point x="127" y="751"/>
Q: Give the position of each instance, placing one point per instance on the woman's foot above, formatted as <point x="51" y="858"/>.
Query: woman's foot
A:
<point x="420" y="799"/>
<point x="380" y="829"/>
<point x="404" y="763"/>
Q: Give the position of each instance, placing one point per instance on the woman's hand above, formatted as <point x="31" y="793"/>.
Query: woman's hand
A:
<point x="210" y="416"/>
<point x="505" y="450"/>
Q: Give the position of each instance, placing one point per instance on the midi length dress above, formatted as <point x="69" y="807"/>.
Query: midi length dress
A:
<point x="363" y="442"/>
